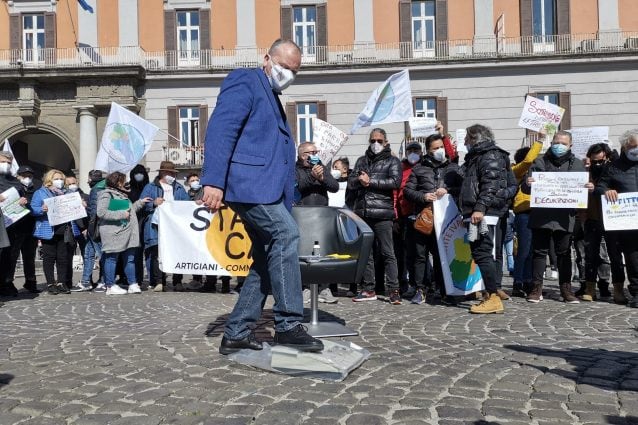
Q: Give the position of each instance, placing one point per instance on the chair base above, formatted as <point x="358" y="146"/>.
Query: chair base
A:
<point x="329" y="329"/>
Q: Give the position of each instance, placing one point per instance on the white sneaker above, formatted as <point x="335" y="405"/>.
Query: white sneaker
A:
<point x="326" y="296"/>
<point x="158" y="288"/>
<point x="134" y="288"/>
<point x="81" y="287"/>
<point x="116" y="290"/>
<point x="306" y="296"/>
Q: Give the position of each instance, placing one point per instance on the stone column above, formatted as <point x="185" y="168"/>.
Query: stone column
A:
<point x="363" y="29"/>
<point x="88" y="143"/>
<point x="609" y="32"/>
<point x="246" y="33"/>
<point x="484" y="38"/>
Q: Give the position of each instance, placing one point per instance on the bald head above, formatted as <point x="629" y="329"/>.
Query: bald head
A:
<point x="285" y="53"/>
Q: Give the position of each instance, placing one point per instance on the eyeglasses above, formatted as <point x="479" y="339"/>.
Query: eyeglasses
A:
<point x="380" y="141"/>
<point x="312" y="152"/>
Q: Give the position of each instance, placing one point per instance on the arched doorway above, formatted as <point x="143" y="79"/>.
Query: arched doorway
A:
<point x="42" y="150"/>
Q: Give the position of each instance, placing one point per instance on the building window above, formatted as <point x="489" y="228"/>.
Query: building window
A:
<point x="188" y="36"/>
<point x="543" y="20"/>
<point x="423" y="27"/>
<point x="189" y="125"/>
<point x="552" y="98"/>
<point x="304" y="27"/>
<point x="305" y="113"/>
<point x="425" y="107"/>
<point x="33" y="38"/>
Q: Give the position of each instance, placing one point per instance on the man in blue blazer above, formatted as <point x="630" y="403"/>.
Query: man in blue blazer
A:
<point x="249" y="164"/>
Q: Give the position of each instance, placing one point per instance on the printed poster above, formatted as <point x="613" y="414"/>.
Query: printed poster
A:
<point x="422" y="126"/>
<point x="621" y="215"/>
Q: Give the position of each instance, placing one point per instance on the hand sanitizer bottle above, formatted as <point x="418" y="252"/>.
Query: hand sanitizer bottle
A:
<point x="316" y="249"/>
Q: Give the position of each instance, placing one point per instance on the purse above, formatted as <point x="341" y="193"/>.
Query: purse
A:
<point x="425" y="221"/>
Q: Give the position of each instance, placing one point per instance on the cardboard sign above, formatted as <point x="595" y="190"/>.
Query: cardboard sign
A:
<point x="621" y="215"/>
<point x="328" y="139"/>
<point x="583" y="138"/>
<point x="538" y="114"/>
<point x="422" y="126"/>
<point x="11" y="209"/>
<point x="559" y="190"/>
<point x="64" y="208"/>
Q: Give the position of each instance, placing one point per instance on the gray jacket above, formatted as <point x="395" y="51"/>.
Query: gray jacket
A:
<point x="116" y="232"/>
<point x="4" y="238"/>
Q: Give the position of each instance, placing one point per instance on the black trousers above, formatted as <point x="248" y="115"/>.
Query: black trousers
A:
<point x="426" y="245"/>
<point x="596" y="259"/>
<point x="499" y="240"/>
<point x="157" y="276"/>
<point x="384" y="245"/>
<point x="56" y="254"/>
<point x="628" y="241"/>
<point x="482" y="254"/>
<point x="22" y="242"/>
<point x="615" y="257"/>
<point x="541" y="239"/>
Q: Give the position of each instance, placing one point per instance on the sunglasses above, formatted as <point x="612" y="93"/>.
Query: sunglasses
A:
<point x="380" y="141"/>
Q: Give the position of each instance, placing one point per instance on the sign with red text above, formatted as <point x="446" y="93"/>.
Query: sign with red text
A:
<point x="621" y="215"/>
<point x="538" y="115"/>
<point x="559" y="190"/>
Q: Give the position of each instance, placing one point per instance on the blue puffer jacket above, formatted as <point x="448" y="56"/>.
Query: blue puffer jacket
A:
<point x="154" y="190"/>
<point x="43" y="229"/>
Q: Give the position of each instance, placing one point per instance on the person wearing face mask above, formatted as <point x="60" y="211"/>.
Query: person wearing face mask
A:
<point x="58" y="242"/>
<point x="8" y="235"/>
<point x="555" y="224"/>
<point x="249" y="164"/>
<point x="313" y="179"/>
<point x="375" y="177"/>
<point x="71" y="186"/>
<point x="138" y="179"/>
<point x="163" y="188"/>
<point x="432" y="178"/>
<point x="621" y="176"/>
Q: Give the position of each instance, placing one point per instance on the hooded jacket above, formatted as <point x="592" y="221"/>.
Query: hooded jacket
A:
<point x="428" y="176"/>
<point x="137" y="187"/>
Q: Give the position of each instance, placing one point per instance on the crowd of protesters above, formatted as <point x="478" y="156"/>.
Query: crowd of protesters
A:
<point x="389" y="193"/>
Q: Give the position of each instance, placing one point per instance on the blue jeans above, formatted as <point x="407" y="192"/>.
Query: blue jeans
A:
<point x="275" y="238"/>
<point x="523" y="262"/>
<point x="91" y="250"/>
<point x="110" y="263"/>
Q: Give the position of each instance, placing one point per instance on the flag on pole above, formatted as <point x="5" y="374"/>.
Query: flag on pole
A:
<point x="14" y="163"/>
<point x="125" y="141"/>
<point x="390" y="102"/>
<point x="85" y="6"/>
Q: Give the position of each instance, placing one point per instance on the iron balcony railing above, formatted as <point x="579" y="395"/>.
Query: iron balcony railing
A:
<point x="347" y="55"/>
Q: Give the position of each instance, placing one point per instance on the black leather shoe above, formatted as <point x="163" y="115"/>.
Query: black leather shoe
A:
<point x="52" y="290"/>
<point x="298" y="338"/>
<point x="8" y="290"/>
<point x="31" y="287"/>
<point x="178" y="287"/>
<point x="62" y="289"/>
<point x="229" y="346"/>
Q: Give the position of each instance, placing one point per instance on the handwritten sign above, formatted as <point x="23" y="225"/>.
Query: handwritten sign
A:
<point x="64" y="208"/>
<point x="559" y="190"/>
<point x="11" y="209"/>
<point x="583" y="138"/>
<point x="621" y="215"/>
<point x="328" y="139"/>
<point x="422" y="126"/>
<point x="538" y="114"/>
<point x="460" y="140"/>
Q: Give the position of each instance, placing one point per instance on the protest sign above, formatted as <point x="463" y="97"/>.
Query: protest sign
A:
<point x="621" y="215"/>
<point x="192" y="240"/>
<point x="64" y="208"/>
<point x="460" y="140"/>
<point x="328" y="139"/>
<point x="11" y="209"/>
<point x="460" y="273"/>
<point x="583" y="138"/>
<point x="538" y="114"/>
<point x="422" y="126"/>
<point x="559" y="190"/>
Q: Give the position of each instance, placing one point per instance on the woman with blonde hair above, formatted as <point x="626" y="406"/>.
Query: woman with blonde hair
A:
<point x="58" y="242"/>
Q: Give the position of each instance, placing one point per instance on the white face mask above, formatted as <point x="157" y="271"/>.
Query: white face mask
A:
<point x="413" y="158"/>
<point x="376" y="148"/>
<point x="439" y="154"/>
<point x="139" y="177"/>
<point x="280" y="77"/>
<point x="58" y="183"/>
<point x="336" y="174"/>
<point x="195" y="185"/>
<point x="633" y="154"/>
<point x="27" y="181"/>
<point x="73" y="188"/>
<point x="169" y="179"/>
<point x="5" y="167"/>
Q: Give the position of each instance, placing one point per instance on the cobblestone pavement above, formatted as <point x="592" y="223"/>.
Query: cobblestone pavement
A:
<point x="152" y="359"/>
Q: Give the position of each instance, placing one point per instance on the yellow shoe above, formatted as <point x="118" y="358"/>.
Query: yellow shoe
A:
<point x="590" y="292"/>
<point x="493" y="304"/>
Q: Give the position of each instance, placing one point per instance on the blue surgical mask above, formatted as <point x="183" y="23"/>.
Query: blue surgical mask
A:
<point x="314" y="159"/>
<point x="195" y="185"/>
<point x="632" y="154"/>
<point x="559" y="149"/>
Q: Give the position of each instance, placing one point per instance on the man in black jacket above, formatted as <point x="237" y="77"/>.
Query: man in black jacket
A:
<point x="313" y="179"/>
<point x="483" y="199"/>
<point x="375" y="177"/>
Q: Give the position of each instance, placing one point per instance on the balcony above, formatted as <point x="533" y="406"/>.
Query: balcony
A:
<point x="496" y="48"/>
<point x="184" y="157"/>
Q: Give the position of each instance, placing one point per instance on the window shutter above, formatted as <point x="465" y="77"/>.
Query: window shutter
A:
<point x="405" y="28"/>
<point x="172" y="126"/>
<point x="322" y="110"/>
<point x="204" y="29"/>
<point x="407" y="134"/>
<point x="286" y="22"/>
<point x="170" y="37"/>
<point x="440" y="21"/>
<point x="322" y="32"/>
<point x="15" y="31"/>
<point x="563" y="27"/>
<point x="531" y="135"/>
<point x="49" y="37"/>
<point x="203" y="123"/>
<point x="291" y="117"/>
<point x="564" y="101"/>
<point x="441" y="111"/>
<point x="526" y="25"/>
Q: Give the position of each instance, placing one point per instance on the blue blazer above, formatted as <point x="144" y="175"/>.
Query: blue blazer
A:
<point x="250" y="152"/>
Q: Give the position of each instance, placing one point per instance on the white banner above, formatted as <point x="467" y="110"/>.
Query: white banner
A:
<point x="126" y="139"/>
<point x="64" y="208"/>
<point x="328" y="139"/>
<point x="194" y="241"/>
<point x="14" y="164"/>
<point x="621" y="215"/>
<point x="583" y="138"/>
<point x="559" y="190"/>
<point x="460" y="273"/>
<point x="11" y="209"/>
<point x="538" y="114"/>
<point x="422" y="126"/>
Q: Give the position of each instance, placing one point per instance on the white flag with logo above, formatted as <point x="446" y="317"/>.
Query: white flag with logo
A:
<point x="14" y="163"/>
<point x="390" y="102"/>
<point x="126" y="139"/>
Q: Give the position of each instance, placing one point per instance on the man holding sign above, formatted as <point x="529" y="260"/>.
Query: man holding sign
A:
<point x="554" y="223"/>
